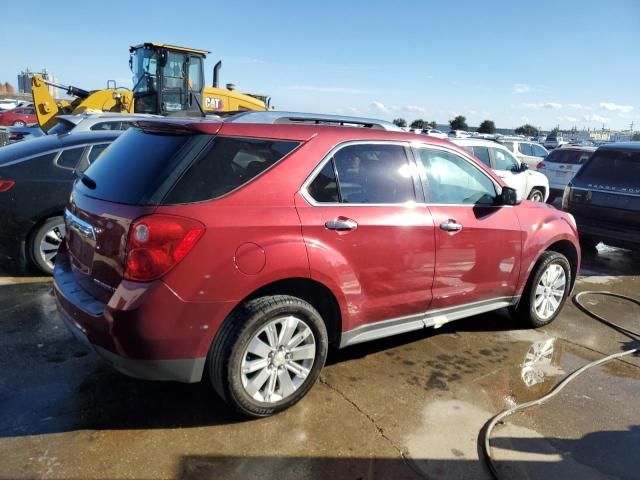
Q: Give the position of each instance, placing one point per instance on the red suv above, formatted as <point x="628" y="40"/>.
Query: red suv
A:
<point x="239" y="250"/>
<point x="18" y="117"/>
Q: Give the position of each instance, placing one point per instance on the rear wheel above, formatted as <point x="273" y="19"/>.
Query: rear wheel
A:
<point x="536" y="195"/>
<point x="546" y="290"/>
<point x="44" y="242"/>
<point x="19" y="123"/>
<point x="268" y="354"/>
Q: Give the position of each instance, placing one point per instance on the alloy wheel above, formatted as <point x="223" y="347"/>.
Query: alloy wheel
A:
<point x="50" y="243"/>
<point x="278" y="359"/>
<point x="550" y="291"/>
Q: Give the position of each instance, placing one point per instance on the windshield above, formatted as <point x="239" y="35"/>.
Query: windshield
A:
<point x="144" y="66"/>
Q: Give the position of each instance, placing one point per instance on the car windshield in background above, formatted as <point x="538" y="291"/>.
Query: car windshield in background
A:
<point x="571" y="157"/>
<point x="614" y="169"/>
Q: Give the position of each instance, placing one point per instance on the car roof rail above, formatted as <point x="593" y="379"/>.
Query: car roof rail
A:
<point x="298" y="118"/>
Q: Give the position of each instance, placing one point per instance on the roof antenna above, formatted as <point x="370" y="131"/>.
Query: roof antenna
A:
<point x="193" y="97"/>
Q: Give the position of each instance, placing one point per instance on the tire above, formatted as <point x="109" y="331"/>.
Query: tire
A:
<point x="42" y="242"/>
<point x="527" y="310"/>
<point x="18" y="123"/>
<point x="536" y="195"/>
<point x="589" y="244"/>
<point x="230" y="355"/>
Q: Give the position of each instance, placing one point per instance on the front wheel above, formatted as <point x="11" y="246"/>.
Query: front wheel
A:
<point x="44" y="242"/>
<point x="19" y="123"/>
<point x="546" y="290"/>
<point x="268" y="354"/>
<point x="536" y="195"/>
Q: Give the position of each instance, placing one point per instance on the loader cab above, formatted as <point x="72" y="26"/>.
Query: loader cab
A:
<point x="166" y="78"/>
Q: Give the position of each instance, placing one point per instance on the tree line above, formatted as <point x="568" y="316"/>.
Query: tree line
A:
<point x="460" y="123"/>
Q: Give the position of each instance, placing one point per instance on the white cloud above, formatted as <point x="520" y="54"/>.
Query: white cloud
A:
<point x="380" y="107"/>
<point x="536" y="106"/>
<point x="578" y="106"/>
<point x="521" y="88"/>
<point x="524" y="119"/>
<point x="318" y="89"/>
<point x="595" y="119"/>
<point x="568" y="119"/>
<point x="354" y="111"/>
<point x="614" y="107"/>
<point x="411" y="109"/>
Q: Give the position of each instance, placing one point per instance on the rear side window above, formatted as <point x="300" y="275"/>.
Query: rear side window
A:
<point x="96" y="151"/>
<point x="61" y="128"/>
<point x="324" y="188"/>
<point x="509" y="145"/>
<point x="538" y="151"/>
<point x="618" y="170"/>
<point x="226" y="165"/>
<point x="525" y="149"/>
<point x="106" y="126"/>
<point x="69" y="158"/>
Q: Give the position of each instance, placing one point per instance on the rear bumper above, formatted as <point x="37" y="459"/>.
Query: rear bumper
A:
<point x="145" y="331"/>
<point x="625" y="239"/>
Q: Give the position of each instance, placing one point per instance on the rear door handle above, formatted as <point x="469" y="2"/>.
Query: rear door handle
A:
<point x="451" y="226"/>
<point x="341" y="224"/>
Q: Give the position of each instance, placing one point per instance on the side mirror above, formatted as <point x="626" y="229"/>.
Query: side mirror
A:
<point x="509" y="196"/>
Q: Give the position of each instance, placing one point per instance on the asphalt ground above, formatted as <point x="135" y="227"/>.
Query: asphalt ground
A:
<point x="409" y="406"/>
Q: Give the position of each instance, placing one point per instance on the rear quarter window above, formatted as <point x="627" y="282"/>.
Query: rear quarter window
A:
<point x="227" y="164"/>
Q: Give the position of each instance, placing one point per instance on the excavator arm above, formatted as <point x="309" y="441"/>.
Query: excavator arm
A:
<point x="47" y="108"/>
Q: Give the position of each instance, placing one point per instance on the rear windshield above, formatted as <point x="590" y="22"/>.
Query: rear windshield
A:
<point x="612" y="169"/>
<point x="571" y="157"/>
<point x="150" y="168"/>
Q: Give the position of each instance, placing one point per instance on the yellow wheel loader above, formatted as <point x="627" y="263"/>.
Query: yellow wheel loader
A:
<point x="166" y="79"/>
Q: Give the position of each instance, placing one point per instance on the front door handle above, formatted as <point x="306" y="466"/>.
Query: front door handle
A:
<point x="341" y="224"/>
<point x="451" y="226"/>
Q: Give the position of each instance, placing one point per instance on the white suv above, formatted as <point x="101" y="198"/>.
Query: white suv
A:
<point x="527" y="152"/>
<point x="527" y="183"/>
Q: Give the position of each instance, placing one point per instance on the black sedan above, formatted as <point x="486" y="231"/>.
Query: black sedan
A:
<point x="36" y="178"/>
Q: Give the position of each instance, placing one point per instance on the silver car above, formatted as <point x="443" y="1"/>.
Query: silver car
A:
<point x="86" y="122"/>
<point x="561" y="165"/>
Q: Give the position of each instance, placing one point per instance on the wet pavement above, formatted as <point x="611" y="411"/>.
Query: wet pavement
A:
<point x="410" y="406"/>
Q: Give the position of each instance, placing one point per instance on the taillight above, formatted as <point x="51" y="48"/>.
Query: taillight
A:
<point x="157" y="243"/>
<point x="540" y="166"/>
<point x="6" y="185"/>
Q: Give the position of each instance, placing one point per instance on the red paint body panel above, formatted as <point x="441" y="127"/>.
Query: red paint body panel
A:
<point x="9" y="117"/>
<point x="396" y="263"/>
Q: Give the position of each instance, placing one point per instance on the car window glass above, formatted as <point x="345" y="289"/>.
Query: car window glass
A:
<point x="29" y="111"/>
<point x="106" y="126"/>
<point x="525" y="149"/>
<point x="324" y="188"/>
<point x="482" y="153"/>
<point x="69" y="158"/>
<point x="96" y="151"/>
<point x="538" y="151"/>
<point x="126" y="125"/>
<point x="569" y="157"/>
<point x="504" y="160"/>
<point x="509" y="145"/>
<point x="374" y="174"/>
<point x="228" y="163"/>
<point x="450" y="179"/>
<point x="610" y="169"/>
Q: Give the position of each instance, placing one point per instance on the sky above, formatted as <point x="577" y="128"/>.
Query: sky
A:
<point x="548" y="63"/>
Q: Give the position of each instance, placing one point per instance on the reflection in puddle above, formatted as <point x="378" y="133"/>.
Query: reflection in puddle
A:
<point x="537" y="361"/>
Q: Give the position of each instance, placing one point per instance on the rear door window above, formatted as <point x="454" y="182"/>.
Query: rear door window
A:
<point x="70" y="157"/>
<point x="504" y="160"/>
<point x="538" y="151"/>
<point x="482" y="153"/>
<point x="525" y="149"/>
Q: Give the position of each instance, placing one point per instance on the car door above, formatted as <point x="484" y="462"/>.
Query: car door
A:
<point x="478" y="243"/>
<point x="367" y="236"/>
<point x="507" y="168"/>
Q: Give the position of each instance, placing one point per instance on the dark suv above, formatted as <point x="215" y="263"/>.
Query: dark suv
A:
<point x="238" y="250"/>
<point x="604" y="197"/>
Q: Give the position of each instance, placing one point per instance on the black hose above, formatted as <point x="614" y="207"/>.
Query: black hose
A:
<point x="485" y="432"/>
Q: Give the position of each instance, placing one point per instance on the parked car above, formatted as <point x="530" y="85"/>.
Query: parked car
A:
<point x="432" y="132"/>
<point x="8" y="104"/>
<point x="35" y="182"/>
<point x="28" y="132"/>
<point x="237" y="250"/>
<point x="95" y="121"/>
<point x="561" y="165"/>
<point x="18" y="117"/>
<point x="458" y="134"/>
<point x="539" y="138"/>
<point x="554" y="141"/>
<point x="526" y="151"/>
<point x="604" y="197"/>
<point x="528" y="184"/>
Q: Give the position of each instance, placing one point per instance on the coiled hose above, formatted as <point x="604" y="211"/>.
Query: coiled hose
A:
<point x="485" y="433"/>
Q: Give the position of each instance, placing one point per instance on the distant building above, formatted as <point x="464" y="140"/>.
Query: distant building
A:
<point x="24" y="81"/>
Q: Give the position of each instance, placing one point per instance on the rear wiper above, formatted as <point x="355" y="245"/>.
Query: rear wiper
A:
<point x="86" y="180"/>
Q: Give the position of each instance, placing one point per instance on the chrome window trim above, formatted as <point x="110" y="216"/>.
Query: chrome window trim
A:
<point x="430" y="318"/>
<point x="626" y="194"/>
